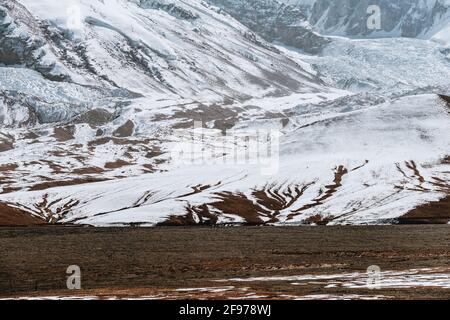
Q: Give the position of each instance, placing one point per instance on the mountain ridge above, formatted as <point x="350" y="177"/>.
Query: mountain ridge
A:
<point x="399" y="18"/>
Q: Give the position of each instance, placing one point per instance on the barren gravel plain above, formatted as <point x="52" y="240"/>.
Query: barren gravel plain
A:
<point x="227" y="263"/>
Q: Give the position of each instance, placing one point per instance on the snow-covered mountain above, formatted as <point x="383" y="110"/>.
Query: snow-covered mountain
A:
<point x="399" y="18"/>
<point x="351" y="64"/>
<point x="173" y="112"/>
<point x="161" y="47"/>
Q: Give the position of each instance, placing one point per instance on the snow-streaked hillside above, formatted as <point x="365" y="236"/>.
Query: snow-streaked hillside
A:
<point x="369" y="165"/>
<point x="99" y="104"/>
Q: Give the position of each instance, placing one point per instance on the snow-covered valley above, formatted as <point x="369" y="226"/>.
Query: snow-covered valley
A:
<point x="174" y="113"/>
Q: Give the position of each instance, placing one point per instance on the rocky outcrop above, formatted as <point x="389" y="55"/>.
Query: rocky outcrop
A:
<point x="21" y="42"/>
<point x="276" y="22"/>
<point x="175" y="10"/>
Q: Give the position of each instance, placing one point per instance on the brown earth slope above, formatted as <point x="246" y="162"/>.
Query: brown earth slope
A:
<point x="433" y="212"/>
<point x="15" y="217"/>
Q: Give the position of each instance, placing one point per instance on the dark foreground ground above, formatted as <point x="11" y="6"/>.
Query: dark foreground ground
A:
<point x="195" y="263"/>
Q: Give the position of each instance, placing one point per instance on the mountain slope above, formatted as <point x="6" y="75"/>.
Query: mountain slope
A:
<point x="170" y="112"/>
<point x="336" y="168"/>
<point x="146" y="48"/>
<point x="96" y="102"/>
